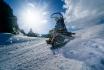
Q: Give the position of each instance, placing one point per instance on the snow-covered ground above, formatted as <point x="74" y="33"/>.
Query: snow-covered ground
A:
<point x="89" y="51"/>
<point x="85" y="52"/>
<point x="26" y="53"/>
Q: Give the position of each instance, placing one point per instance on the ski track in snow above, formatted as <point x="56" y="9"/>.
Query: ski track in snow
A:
<point x="25" y="53"/>
<point x="32" y="54"/>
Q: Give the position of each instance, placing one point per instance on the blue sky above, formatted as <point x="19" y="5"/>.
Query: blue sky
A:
<point x="55" y="5"/>
<point x="75" y="10"/>
<point x="52" y="6"/>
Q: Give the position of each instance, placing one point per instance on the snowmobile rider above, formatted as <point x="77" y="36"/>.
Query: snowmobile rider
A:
<point x="60" y="27"/>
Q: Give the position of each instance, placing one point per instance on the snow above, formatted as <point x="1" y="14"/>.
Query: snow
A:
<point x="30" y="53"/>
<point x="91" y="52"/>
<point x="85" y="52"/>
<point x="88" y="47"/>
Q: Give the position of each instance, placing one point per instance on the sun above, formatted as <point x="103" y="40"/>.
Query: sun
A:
<point x="34" y="17"/>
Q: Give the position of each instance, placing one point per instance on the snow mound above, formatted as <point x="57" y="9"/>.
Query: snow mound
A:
<point x="89" y="51"/>
<point x="88" y="47"/>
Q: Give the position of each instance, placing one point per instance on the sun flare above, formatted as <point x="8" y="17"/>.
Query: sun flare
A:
<point x="34" y="18"/>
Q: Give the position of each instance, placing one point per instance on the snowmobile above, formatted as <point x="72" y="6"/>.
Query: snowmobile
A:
<point x="59" y="39"/>
<point x="60" y="36"/>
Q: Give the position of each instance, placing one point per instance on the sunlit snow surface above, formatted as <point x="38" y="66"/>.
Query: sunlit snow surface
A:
<point x="29" y="53"/>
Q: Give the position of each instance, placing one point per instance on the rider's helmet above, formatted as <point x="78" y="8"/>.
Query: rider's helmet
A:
<point x="60" y="25"/>
<point x="57" y="16"/>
